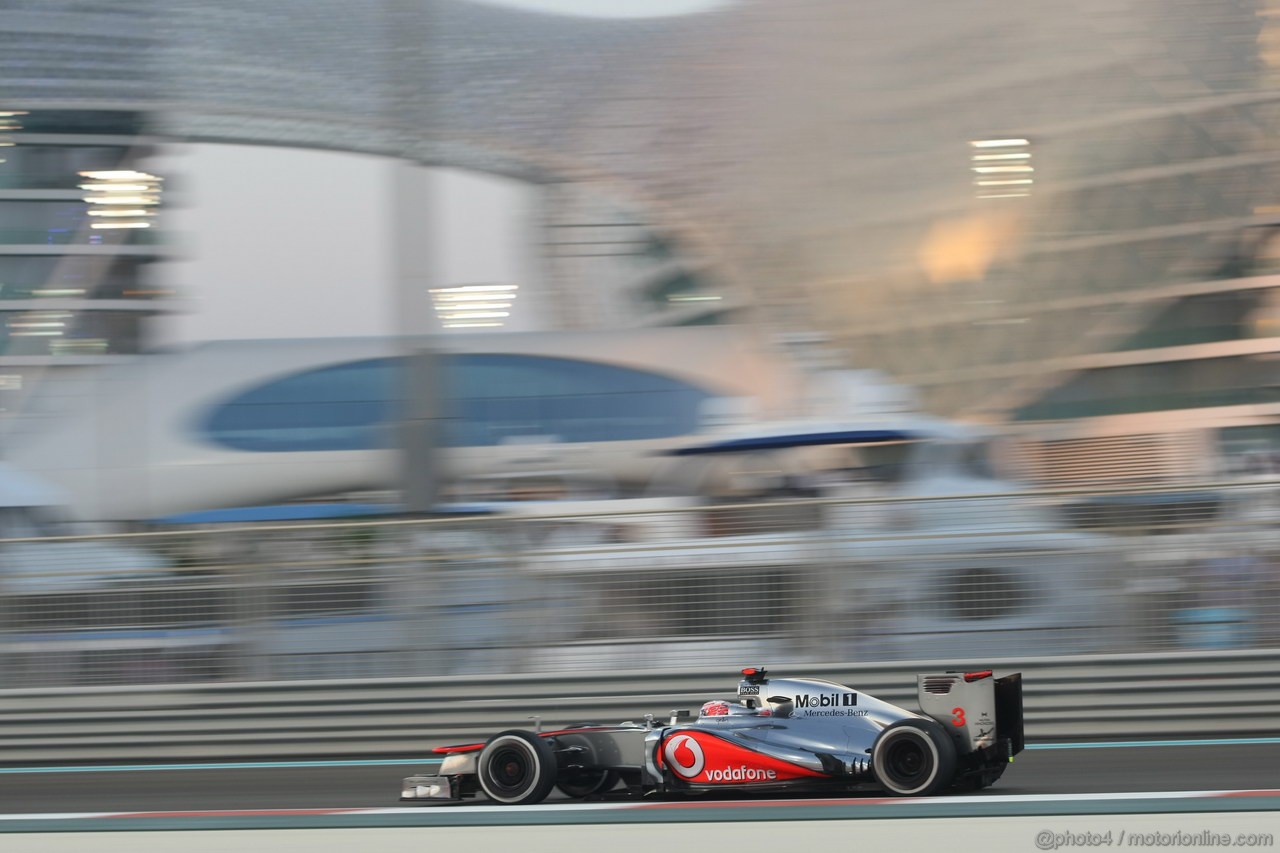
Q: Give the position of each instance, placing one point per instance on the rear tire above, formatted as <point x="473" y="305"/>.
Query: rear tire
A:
<point x="516" y="768"/>
<point x="914" y="758"/>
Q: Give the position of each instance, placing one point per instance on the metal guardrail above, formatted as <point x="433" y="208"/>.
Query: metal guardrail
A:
<point x="1201" y="694"/>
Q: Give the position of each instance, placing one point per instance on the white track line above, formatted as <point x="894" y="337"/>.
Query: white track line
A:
<point x="674" y="804"/>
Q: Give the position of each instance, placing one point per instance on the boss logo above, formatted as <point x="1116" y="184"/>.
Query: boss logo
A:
<point x="748" y="690"/>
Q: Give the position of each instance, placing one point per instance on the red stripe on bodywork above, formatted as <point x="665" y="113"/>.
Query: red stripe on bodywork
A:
<point x="450" y="750"/>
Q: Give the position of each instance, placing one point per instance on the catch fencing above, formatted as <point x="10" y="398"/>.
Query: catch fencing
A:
<point x="650" y="585"/>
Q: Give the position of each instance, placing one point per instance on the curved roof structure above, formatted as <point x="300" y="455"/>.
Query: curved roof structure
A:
<point x="819" y="151"/>
<point x="419" y="78"/>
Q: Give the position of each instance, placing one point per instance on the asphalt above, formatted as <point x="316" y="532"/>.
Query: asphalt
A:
<point x="1124" y="769"/>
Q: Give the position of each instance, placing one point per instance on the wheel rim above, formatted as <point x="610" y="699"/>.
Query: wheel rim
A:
<point x="510" y="770"/>
<point x="907" y="761"/>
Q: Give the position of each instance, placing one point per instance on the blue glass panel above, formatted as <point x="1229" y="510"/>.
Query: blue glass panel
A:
<point x="488" y="398"/>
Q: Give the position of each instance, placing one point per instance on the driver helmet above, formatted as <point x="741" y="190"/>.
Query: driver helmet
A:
<point x="721" y="708"/>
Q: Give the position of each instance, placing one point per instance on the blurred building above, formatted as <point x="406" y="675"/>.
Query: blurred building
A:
<point x="249" y="422"/>
<point x="1038" y="214"/>
<point x="75" y="288"/>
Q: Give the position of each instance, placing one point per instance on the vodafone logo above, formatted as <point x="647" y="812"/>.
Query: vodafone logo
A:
<point x="684" y="754"/>
<point x="688" y="760"/>
<point x="742" y="773"/>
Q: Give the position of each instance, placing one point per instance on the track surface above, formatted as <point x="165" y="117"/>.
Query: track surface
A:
<point x="1048" y="771"/>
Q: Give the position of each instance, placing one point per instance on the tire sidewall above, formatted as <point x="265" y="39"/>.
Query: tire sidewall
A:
<point x="937" y="747"/>
<point x="539" y="757"/>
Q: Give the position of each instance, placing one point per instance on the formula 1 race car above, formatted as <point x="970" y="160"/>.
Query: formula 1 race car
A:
<point x="782" y="734"/>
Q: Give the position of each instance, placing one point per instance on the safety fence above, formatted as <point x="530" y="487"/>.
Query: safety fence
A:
<point x="1190" y="694"/>
<point x="650" y="584"/>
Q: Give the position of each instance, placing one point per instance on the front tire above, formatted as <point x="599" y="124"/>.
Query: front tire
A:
<point x="516" y="768"/>
<point x="914" y="758"/>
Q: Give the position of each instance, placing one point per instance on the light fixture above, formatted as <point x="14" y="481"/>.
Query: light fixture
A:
<point x="473" y="306"/>
<point x="998" y="143"/>
<point x="134" y="212"/>
<point x="118" y="175"/>
<point x="110" y="190"/>
<point x="1004" y="183"/>
<point x="476" y="288"/>
<point x="113" y="187"/>
<point x="9" y="123"/>
<point x="992" y="170"/>
<point x="1000" y="157"/>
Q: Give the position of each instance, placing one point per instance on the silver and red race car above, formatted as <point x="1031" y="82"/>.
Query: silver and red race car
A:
<point x="781" y="734"/>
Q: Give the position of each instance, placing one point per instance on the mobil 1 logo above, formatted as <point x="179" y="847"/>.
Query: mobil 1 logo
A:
<point x="829" y="705"/>
<point x="827" y="700"/>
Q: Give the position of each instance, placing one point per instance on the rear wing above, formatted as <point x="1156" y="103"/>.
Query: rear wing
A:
<point x="979" y="710"/>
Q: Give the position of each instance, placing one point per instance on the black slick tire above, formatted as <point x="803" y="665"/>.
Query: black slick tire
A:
<point x="516" y="768"/>
<point x="914" y="758"/>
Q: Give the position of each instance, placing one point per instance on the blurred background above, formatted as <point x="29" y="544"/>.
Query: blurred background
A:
<point x="423" y="337"/>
